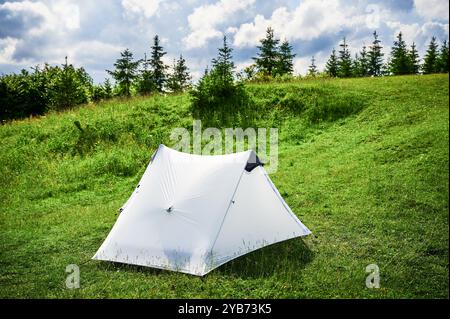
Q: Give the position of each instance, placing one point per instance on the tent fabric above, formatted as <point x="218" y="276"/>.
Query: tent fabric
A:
<point x="192" y="213"/>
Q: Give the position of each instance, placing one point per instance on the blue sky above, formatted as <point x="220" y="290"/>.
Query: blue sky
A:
<point x="92" y="33"/>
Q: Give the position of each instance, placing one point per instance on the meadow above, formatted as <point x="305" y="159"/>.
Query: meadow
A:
<point x="362" y="162"/>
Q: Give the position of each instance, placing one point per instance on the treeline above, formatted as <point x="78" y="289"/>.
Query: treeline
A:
<point x="60" y="87"/>
<point x="403" y="59"/>
<point x="44" y="88"/>
<point x="149" y="75"/>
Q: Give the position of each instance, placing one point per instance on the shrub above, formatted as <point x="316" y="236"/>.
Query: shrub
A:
<point x="220" y="102"/>
<point x="217" y="98"/>
<point x="51" y="87"/>
<point x="23" y="94"/>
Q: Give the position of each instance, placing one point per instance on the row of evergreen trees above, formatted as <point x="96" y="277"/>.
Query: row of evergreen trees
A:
<point x="273" y="59"/>
<point x="60" y="87"/>
<point x="369" y="62"/>
<point x="146" y="76"/>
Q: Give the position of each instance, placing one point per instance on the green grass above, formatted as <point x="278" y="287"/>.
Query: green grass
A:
<point x="362" y="162"/>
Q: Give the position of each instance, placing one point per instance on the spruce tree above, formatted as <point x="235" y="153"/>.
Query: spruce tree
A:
<point x="312" y="69"/>
<point x="356" y="66"/>
<point x="158" y="68"/>
<point x="70" y="87"/>
<point x="399" y="61"/>
<point x="125" y="72"/>
<point x="249" y="72"/>
<point x="363" y="62"/>
<point x="146" y="83"/>
<point x="107" y="87"/>
<point x="216" y="97"/>
<point x="385" y="68"/>
<point x="331" y="67"/>
<point x="375" y="56"/>
<point x="430" y="64"/>
<point x="344" y="61"/>
<point x="223" y="65"/>
<point x="267" y="57"/>
<point x="413" y="59"/>
<point x="443" y="58"/>
<point x="285" y="64"/>
<point x="179" y="79"/>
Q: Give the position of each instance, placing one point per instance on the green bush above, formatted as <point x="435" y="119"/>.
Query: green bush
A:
<point x="219" y="101"/>
<point x="23" y="94"/>
<point x="50" y="87"/>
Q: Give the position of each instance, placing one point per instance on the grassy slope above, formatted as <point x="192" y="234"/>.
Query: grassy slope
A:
<point x="372" y="187"/>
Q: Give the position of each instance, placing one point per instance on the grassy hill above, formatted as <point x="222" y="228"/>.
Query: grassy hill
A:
<point x="362" y="162"/>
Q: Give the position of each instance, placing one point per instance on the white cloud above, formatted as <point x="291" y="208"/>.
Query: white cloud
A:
<point x="240" y="66"/>
<point x="62" y="16"/>
<point x="301" y="64"/>
<point x="433" y="9"/>
<point x="67" y="14"/>
<point x="7" y="48"/>
<point x="420" y="34"/>
<point x="171" y="6"/>
<point x="148" y="8"/>
<point x="91" y="33"/>
<point x="309" y="20"/>
<point x="87" y="52"/>
<point x="204" y="20"/>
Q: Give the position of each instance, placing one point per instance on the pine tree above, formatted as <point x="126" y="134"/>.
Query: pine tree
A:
<point x="285" y="64"/>
<point x="158" y="68"/>
<point x="356" y="66"/>
<point x="344" y="61"/>
<point x="414" y="61"/>
<point x="71" y="86"/>
<point x="145" y="82"/>
<point x="107" y="87"/>
<point x="385" y="68"/>
<point x="171" y="82"/>
<point x="216" y="97"/>
<point x="375" y="56"/>
<point x="430" y="64"/>
<point x="223" y="65"/>
<point x="180" y="78"/>
<point x="97" y="93"/>
<point x="312" y="69"/>
<point x="267" y="57"/>
<point x="125" y="72"/>
<point x="331" y="67"/>
<point x="399" y="61"/>
<point x="363" y="62"/>
<point x="249" y="72"/>
<point x="443" y="58"/>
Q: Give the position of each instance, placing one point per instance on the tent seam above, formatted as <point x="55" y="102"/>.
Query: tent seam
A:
<point x="229" y="205"/>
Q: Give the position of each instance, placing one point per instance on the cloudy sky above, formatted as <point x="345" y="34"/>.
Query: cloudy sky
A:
<point x="92" y="33"/>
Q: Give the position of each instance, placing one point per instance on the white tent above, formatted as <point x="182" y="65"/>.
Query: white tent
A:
<point x="193" y="213"/>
